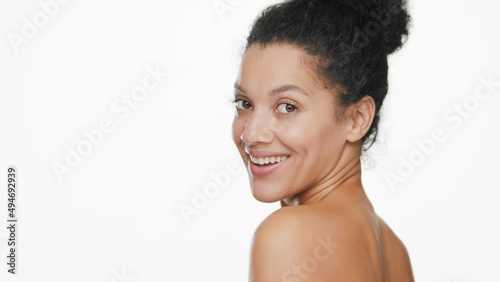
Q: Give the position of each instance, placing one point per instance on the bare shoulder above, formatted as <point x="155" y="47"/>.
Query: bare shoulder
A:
<point x="397" y="261"/>
<point x="306" y="242"/>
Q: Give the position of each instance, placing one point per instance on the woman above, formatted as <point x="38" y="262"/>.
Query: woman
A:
<point x="311" y="84"/>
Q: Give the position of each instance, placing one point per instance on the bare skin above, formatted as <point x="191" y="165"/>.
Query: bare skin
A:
<point x="365" y="248"/>
<point x="327" y="229"/>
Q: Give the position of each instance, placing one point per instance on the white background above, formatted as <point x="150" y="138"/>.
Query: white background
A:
<point x="116" y="217"/>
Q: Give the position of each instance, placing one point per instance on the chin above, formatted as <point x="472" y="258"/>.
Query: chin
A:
<point x="267" y="193"/>
<point x="267" y="200"/>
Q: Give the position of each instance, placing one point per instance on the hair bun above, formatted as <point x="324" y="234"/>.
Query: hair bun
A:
<point x="391" y="15"/>
<point x="396" y="24"/>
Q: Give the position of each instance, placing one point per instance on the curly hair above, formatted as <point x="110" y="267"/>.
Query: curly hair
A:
<point x="348" y="39"/>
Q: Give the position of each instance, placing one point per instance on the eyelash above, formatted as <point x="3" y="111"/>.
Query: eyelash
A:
<point x="236" y="100"/>
<point x="286" y="102"/>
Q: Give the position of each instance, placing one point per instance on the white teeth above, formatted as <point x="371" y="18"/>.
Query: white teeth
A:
<point x="267" y="160"/>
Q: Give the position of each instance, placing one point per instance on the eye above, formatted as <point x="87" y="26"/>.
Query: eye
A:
<point x="286" y="108"/>
<point x="242" y="104"/>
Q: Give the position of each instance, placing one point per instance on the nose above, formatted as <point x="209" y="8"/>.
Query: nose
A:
<point x="257" y="129"/>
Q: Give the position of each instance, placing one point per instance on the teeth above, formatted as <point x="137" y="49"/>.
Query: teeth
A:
<point x="267" y="160"/>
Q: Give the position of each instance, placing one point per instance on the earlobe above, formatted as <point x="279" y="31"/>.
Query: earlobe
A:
<point x="362" y="115"/>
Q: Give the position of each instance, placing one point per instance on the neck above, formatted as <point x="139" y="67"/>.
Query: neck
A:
<point x="348" y="176"/>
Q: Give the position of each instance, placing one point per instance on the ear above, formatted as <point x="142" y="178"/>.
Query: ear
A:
<point x="361" y="118"/>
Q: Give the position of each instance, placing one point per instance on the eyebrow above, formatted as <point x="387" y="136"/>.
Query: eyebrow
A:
<point x="276" y="91"/>
<point x="238" y="87"/>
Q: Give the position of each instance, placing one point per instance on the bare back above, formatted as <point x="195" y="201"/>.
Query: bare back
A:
<point x="386" y="258"/>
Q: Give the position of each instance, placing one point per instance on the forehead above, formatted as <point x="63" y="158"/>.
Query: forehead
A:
<point x="284" y="53"/>
<point x="276" y="64"/>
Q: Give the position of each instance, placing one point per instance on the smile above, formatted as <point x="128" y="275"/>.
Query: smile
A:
<point x="265" y="165"/>
<point x="267" y="160"/>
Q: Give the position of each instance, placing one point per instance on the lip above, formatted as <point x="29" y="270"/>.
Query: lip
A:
<point x="261" y="170"/>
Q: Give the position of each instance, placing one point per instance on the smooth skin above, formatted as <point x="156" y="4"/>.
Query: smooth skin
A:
<point x="327" y="229"/>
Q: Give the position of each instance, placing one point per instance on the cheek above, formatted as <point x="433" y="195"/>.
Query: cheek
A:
<point x="332" y="145"/>
<point x="300" y="134"/>
<point x="312" y="136"/>
<point x="296" y="135"/>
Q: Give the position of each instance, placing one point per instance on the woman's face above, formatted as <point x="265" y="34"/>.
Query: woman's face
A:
<point x="285" y="126"/>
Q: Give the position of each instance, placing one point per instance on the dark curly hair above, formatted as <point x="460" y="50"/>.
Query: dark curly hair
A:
<point x="348" y="39"/>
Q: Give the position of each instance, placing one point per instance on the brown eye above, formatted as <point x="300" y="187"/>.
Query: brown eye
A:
<point x="286" y="108"/>
<point x="242" y="104"/>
